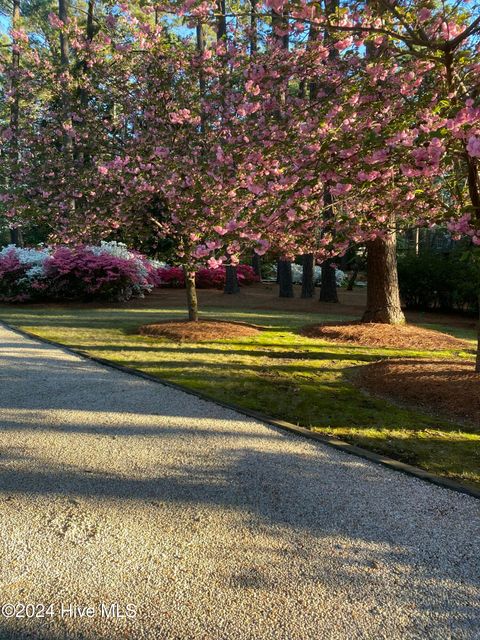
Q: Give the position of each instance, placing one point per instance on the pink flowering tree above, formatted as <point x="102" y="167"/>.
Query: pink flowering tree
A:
<point x="218" y="143"/>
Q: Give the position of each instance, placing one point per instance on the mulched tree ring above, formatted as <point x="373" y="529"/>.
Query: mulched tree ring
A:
<point x="203" y="330"/>
<point x="449" y="388"/>
<point x="387" y="336"/>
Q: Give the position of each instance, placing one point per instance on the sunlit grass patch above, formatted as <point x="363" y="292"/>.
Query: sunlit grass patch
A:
<point x="277" y="372"/>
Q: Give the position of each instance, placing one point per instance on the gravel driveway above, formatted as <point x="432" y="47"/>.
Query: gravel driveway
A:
<point x="200" y="523"/>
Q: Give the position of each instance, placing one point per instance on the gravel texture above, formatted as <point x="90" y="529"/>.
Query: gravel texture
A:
<point x="114" y="489"/>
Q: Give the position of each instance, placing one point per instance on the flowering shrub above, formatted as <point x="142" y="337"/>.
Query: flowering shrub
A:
<point x="206" y="278"/>
<point x="172" y="277"/>
<point x="12" y="272"/>
<point x="105" y="272"/>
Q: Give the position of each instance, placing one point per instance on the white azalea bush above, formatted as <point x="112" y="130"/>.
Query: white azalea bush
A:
<point x="106" y="272"/>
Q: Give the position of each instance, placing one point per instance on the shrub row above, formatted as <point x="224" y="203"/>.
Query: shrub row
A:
<point x="107" y="272"/>
<point x="174" y="277"/>
<point x="439" y="281"/>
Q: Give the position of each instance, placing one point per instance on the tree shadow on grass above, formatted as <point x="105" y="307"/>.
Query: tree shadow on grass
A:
<point x="73" y="429"/>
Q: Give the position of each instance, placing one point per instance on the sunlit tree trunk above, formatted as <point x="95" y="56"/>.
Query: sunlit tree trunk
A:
<point x="191" y="290"/>
<point x="383" y="295"/>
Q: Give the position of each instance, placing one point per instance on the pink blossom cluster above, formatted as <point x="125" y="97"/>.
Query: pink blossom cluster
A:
<point x="230" y="150"/>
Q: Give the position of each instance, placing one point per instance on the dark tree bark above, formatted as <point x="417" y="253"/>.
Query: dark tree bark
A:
<point x="231" y="280"/>
<point x="253" y="27"/>
<point x="63" y="14"/>
<point x="16" y="237"/>
<point x="63" y="8"/>
<point x="257" y="264"/>
<point x="308" y="278"/>
<point x="15" y="233"/>
<point x="201" y="78"/>
<point x="383" y="295"/>
<point x="285" y="279"/>
<point x="191" y="290"/>
<point x="84" y="156"/>
<point x="477" y="363"/>
<point x="328" y="286"/>
<point x="352" y="279"/>
<point x="221" y="20"/>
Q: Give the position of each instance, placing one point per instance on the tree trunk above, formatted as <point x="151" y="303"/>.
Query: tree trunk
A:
<point x="285" y="279"/>
<point x="477" y="364"/>
<point x="383" y="295"/>
<point x="63" y="11"/>
<point x="253" y="26"/>
<point x="352" y="279"/>
<point x="221" y="21"/>
<point x="328" y="286"/>
<point x="257" y="264"/>
<point x="308" y="279"/>
<point x="231" y="280"/>
<point x="16" y="237"/>
<point x="191" y="289"/>
<point x="84" y="156"/>
<point x="15" y="233"/>
<point x="201" y="78"/>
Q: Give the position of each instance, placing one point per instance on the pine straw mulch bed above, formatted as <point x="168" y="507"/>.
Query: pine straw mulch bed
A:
<point x="447" y="387"/>
<point x="385" y="336"/>
<point x="203" y="330"/>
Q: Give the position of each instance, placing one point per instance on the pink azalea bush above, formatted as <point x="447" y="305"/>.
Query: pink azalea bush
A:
<point x="12" y="277"/>
<point x="206" y="278"/>
<point x="79" y="273"/>
<point x="108" y="272"/>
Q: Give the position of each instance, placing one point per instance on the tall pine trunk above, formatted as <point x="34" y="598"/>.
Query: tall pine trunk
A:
<point x="328" y="286"/>
<point x="477" y="363"/>
<point x="285" y="279"/>
<point x="191" y="289"/>
<point x="257" y="264"/>
<point x="383" y="295"/>
<point x="231" y="280"/>
<point x="253" y="26"/>
<point x="16" y="236"/>
<point x="231" y="277"/>
<point x="308" y="276"/>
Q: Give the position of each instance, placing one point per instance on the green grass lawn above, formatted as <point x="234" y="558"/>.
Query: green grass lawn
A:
<point x="277" y="372"/>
